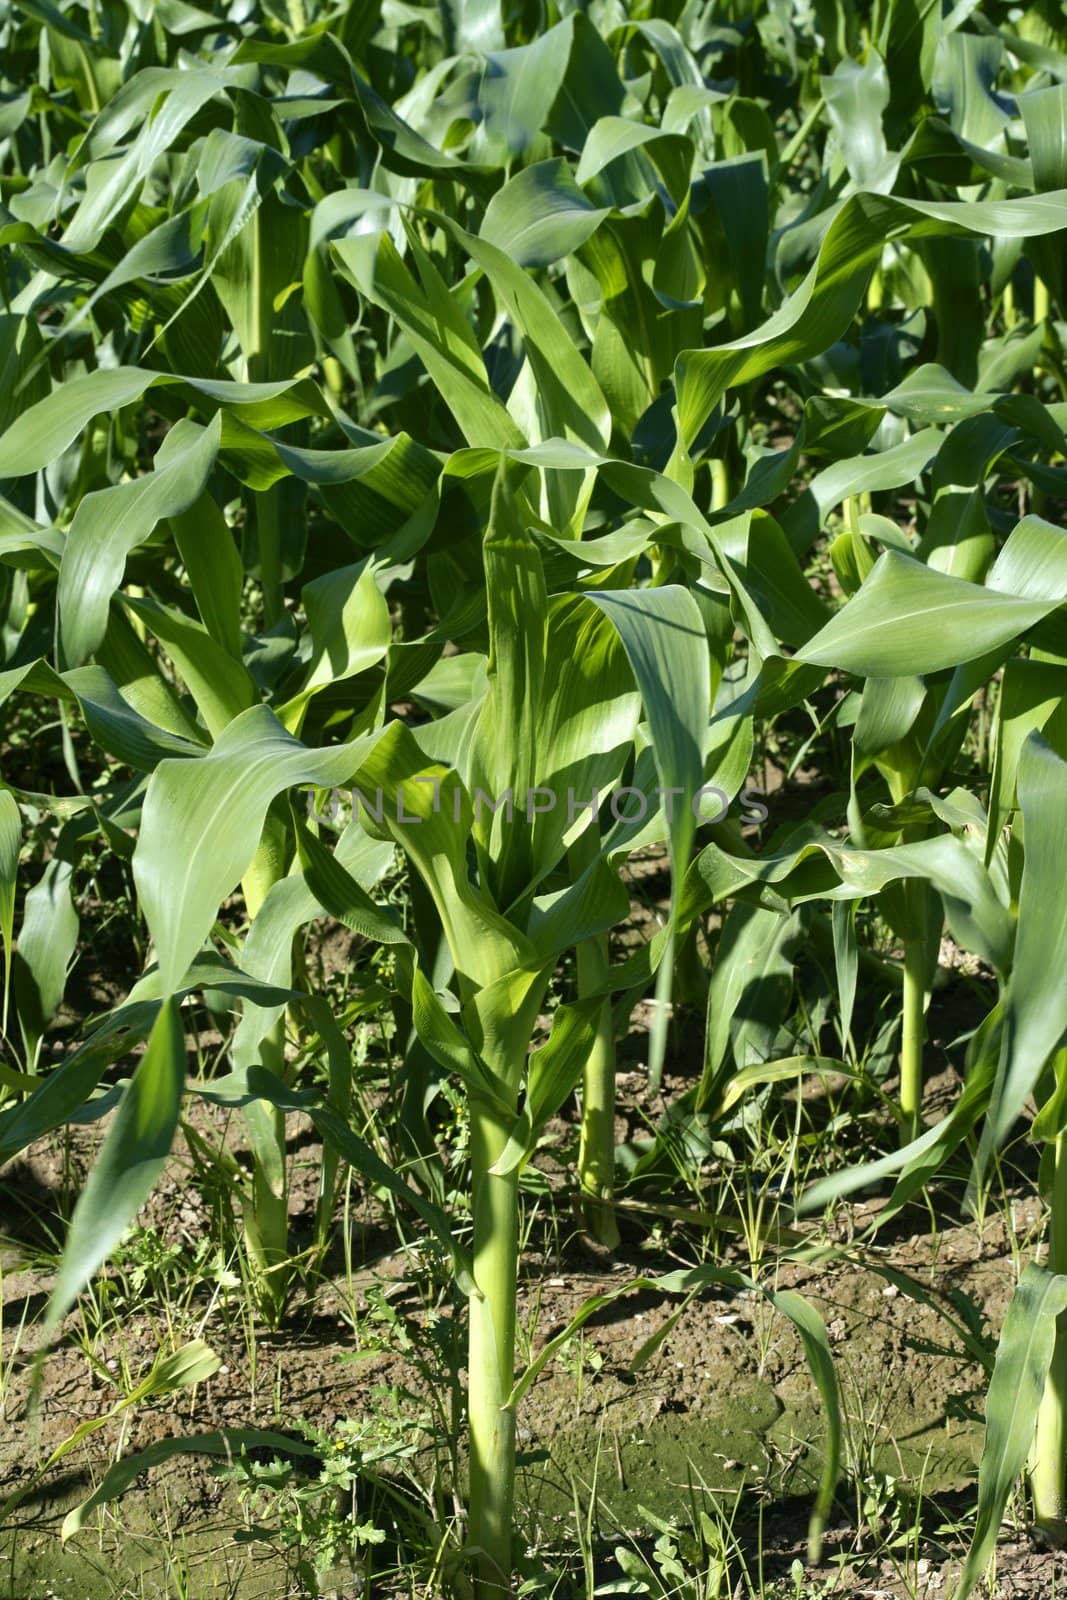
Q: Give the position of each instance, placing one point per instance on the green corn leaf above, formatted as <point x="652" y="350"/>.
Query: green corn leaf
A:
<point x="338" y="892"/>
<point x="182" y="93"/>
<point x="47" y="940"/>
<point x="209" y="553"/>
<point x="41" y="434"/>
<point x="586" y="725"/>
<point x="221" y="686"/>
<point x="819" y="311"/>
<point x="58" y="1096"/>
<point x="965" y="68"/>
<point x="349" y="628"/>
<point x="569" y="400"/>
<point x="290" y="904"/>
<point x="812" y="1330"/>
<point x="109" y="524"/>
<point x="866" y="474"/>
<point x="132" y="1157"/>
<point x="226" y="1442"/>
<point x="427" y="812"/>
<point x="438" y="331"/>
<point x="856" y="98"/>
<point x="116" y="726"/>
<point x="109" y="715"/>
<point x="922" y="1157"/>
<point x="778" y="1071"/>
<point x="504" y="754"/>
<point x="217" y="807"/>
<point x="663" y="635"/>
<point x="251" y="276"/>
<point x="1024" y="1355"/>
<point x="540" y="215"/>
<point x="10" y="849"/>
<point x="194" y="1363"/>
<point x="516" y="92"/>
<point x="555" y="1070"/>
<point x="594" y="902"/>
<point x="1036" y="1014"/>
<point x="446" y="1044"/>
<point x="500" y="1018"/>
<point x="751" y="987"/>
<point x="1031" y="691"/>
<point x="973" y="903"/>
<point x="137" y="675"/>
<point x="909" y="618"/>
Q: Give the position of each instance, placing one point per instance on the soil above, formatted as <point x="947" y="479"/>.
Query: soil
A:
<point x="722" y="1411"/>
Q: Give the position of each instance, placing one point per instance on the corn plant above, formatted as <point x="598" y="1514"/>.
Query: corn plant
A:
<point x="511" y="418"/>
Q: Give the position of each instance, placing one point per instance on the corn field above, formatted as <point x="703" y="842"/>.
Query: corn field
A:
<point x="533" y="799"/>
